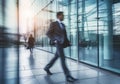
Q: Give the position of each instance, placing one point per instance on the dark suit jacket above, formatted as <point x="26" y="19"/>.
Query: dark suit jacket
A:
<point x="56" y="33"/>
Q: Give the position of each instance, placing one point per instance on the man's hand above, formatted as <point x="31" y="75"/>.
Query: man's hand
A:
<point x="55" y="41"/>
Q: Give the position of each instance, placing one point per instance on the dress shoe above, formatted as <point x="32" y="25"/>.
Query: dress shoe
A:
<point x="71" y="79"/>
<point x="48" y="71"/>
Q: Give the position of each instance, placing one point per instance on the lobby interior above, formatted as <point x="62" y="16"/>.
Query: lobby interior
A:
<point x="92" y="27"/>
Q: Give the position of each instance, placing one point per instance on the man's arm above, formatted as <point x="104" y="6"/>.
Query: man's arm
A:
<point x="50" y="32"/>
<point x="67" y="40"/>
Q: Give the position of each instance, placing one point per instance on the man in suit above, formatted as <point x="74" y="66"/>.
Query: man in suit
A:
<point x="58" y="37"/>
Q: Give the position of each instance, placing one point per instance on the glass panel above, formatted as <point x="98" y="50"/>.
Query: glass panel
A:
<point x="73" y="30"/>
<point x="88" y="31"/>
<point x="109" y="37"/>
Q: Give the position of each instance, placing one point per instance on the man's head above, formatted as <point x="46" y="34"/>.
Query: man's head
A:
<point x="60" y="16"/>
<point x="31" y="35"/>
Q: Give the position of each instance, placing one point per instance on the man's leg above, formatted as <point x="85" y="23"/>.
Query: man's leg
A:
<point x="60" y="52"/>
<point x="63" y="63"/>
<point x="50" y="64"/>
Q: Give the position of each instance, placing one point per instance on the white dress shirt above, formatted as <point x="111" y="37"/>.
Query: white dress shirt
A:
<point x="60" y="23"/>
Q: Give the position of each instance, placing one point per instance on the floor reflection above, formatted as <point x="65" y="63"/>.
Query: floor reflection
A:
<point x="49" y="80"/>
<point x="9" y="65"/>
<point x="31" y="60"/>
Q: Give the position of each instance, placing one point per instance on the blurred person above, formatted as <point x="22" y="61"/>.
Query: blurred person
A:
<point x="58" y="38"/>
<point x="31" y="42"/>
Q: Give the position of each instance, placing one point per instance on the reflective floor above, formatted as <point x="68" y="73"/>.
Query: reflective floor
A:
<point x="31" y="70"/>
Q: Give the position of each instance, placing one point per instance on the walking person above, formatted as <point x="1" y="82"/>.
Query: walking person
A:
<point x="58" y="37"/>
<point x="31" y="42"/>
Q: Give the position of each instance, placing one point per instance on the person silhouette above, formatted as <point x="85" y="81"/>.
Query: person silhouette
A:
<point x="31" y="42"/>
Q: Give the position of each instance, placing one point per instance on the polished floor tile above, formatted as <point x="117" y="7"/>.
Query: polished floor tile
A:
<point x="31" y="70"/>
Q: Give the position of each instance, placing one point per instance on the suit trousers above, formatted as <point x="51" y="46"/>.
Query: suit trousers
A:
<point x="59" y="53"/>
